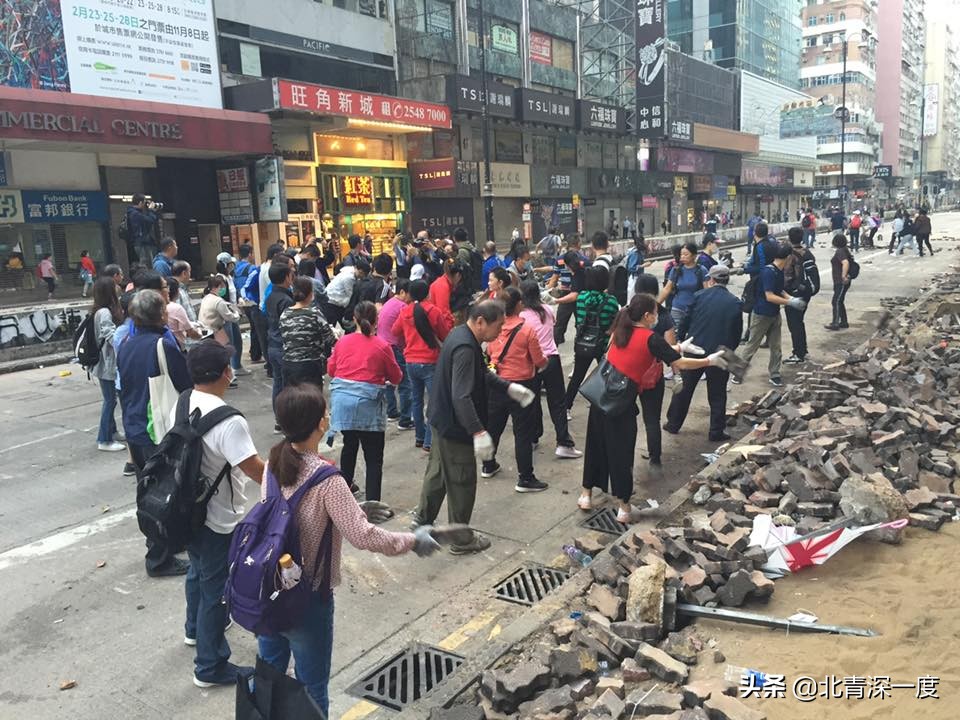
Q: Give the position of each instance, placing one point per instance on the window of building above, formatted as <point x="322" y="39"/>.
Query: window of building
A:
<point x="811" y="21"/>
<point x="434" y="17"/>
<point x="567" y="151"/>
<point x="610" y="153"/>
<point x="827" y="39"/>
<point x="563" y="54"/>
<point x="812" y="41"/>
<point x="829" y="18"/>
<point x="843" y="16"/>
<point x="508" y="146"/>
<point x="543" y="150"/>
<point x="341" y="146"/>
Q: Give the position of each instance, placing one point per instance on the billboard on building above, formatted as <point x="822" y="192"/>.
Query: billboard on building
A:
<point x="164" y="52"/>
<point x="651" y="60"/>
<point x="931" y="109"/>
<point x="801" y="118"/>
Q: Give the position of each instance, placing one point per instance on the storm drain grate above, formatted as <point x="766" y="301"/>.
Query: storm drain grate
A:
<point x="605" y="520"/>
<point x="530" y="584"/>
<point x="406" y="677"/>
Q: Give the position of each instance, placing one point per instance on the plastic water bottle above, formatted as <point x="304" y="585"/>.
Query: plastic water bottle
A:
<point x="604" y="668"/>
<point x="289" y="572"/>
<point x="743" y="676"/>
<point x="577" y="556"/>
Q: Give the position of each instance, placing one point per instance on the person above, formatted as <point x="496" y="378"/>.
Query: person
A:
<point x="708" y="248"/>
<point x="922" y="230"/>
<point x="163" y="261"/>
<point x="245" y="265"/>
<point x="685" y="279"/>
<point x="442" y="289"/>
<point x="838" y="222"/>
<point x="402" y="413"/>
<point x="491" y="261"/>
<point x="595" y="311"/>
<point x="629" y="232"/>
<point x="115" y="273"/>
<point x="228" y="445"/>
<point x="907" y="236"/>
<point x="48" y="274"/>
<point x="712" y="224"/>
<point x="515" y="356"/>
<point x="571" y="281"/>
<point x="855" y="222"/>
<point x="541" y="320"/>
<point x="715" y="320"/>
<point x="636" y="263"/>
<point x="549" y="246"/>
<point x="752" y="223"/>
<point x="611" y="439"/>
<point x="600" y="245"/>
<point x="375" y="287"/>
<point x="360" y="366"/>
<point x="499" y="279"/>
<point x="802" y="280"/>
<point x="88" y="272"/>
<point x="458" y="417"/>
<point x="141" y="218"/>
<point x="840" y="272"/>
<point x="107" y="314"/>
<point x="515" y="235"/>
<point x="895" y="234"/>
<point x="355" y="245"/>
<point x="765" y="320"/>
<point x="521" y="268"/>
<point x="217" y="312"/>
<point x="256" y="291"/>
<point x="422" y="326"/>
<point x="226" y="268"/>
<point x="307" y="338"/>
<point x="342" y="290"/>
<point x="808" y="224"/>
<point x="137" y="361"/>
<point x="181" y="272"/>
<point x="326" y="515"/>
<point x="177" y="319"/>
<point x="281" y="279"/>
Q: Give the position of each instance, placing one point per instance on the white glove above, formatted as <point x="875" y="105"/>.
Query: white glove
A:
<point x="797" y="303"/>
<point x="717" y="360"/>
<point x="688" y="348"/>
<point x="483" y="446"/>
<point x="520" y="394"/>
<point x="424" y="545"/>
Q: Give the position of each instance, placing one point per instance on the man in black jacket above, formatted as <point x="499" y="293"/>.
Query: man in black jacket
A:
<point x="141" y="219"/>
<point x="281" y="276"/>
<point x="457" y="413"/>
<point x="802" y="279"/>
<point x="715" y="319"/>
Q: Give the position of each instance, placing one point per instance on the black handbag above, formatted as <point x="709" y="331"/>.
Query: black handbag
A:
<point x="268" y="694"/>
<point x="609" y="390"/>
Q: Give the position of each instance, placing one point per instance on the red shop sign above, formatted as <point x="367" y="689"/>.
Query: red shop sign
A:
<point x="432" y="174"/>
<point x="541" y="48"/>
<point x="360" y="105"/>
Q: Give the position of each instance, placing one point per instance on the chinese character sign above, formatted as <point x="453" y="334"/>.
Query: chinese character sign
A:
<point x="541" y="48"/>
<point x="236" y="200"/>
<point x="651" y="58"/>
<point x="63" y="206"/>
<point x="357" y="190"/>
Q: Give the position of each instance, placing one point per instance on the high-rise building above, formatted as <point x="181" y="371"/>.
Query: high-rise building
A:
<point x="759" y="36"/>
<point x="941" y="128"/>
<point x="837" y="35"/>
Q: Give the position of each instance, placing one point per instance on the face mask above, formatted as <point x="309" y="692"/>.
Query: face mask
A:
<point x="222" y="292"/>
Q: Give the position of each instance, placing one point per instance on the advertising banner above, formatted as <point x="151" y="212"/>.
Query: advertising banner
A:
<point x="510" y="179"/>
<point x="432" y="174"/>
<point x="236" y="202"/>
<point x="800" y="118"/>
<point x="651" y="63"/>
<point x="536" y="106"/>
<point x="466" y="93"/>
<point x="541" y="48"/>
<point x="931" y="109"/>
<point x="441" y="215"/>
<point x="597" y="116"/>
<point x="271" y="199"/>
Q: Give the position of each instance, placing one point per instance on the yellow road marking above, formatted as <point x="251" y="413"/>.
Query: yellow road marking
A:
<point x="360" y="710"/>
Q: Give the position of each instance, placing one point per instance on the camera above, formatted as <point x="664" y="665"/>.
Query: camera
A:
<point x="154" y="205"/>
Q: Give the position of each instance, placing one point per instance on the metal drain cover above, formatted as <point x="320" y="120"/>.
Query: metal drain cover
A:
<point x="529" y="584"/>
<point x="406" y="677"/>
<point x="605" y="520"/>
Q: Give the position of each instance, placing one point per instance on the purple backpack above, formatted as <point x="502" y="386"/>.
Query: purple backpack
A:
<point x="254" y="596"/>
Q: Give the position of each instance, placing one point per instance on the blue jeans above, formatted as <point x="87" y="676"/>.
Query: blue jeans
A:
<point x="421" y="379"/>
<point x="403" y="389"/>
<point x="206" y="612"/>
<point x="312" y="646"/>
<point x="236" y="339"/>
<point x="108" y="425"/>
<point x="275" y="356"/>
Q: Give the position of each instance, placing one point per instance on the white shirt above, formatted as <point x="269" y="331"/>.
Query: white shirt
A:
<point x="340" y="289"/>
<point x="229" y="442"/>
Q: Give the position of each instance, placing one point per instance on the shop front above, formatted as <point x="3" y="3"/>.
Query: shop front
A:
<point x="617" y="193"/>
<point x="445" y="193"/>
<point x="768" y="189"/>
<point x="552" y="200"/>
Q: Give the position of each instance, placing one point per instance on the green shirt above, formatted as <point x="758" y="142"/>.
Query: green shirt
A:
<point x="606" y="303"/>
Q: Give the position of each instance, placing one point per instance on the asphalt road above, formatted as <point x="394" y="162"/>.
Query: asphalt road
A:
<point x="118" y="634"/>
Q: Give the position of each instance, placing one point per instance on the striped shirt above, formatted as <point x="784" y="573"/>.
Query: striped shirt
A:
<point x="594" y="299"/>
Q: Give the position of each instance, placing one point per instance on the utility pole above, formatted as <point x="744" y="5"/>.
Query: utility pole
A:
<point x="923" y="117"/>
<point x="843" y="134"/>
<point x="485" y="129"/>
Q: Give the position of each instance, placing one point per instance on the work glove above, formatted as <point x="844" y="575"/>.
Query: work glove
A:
<point x="717" y="360"/>
<point x="688" y="348"/>
<point x="797" y="303"/>
<point x="520" y="394"/>
<point x="483" y="446"/>
<point x="376" y="511"/>
<point x="423" y="544"/>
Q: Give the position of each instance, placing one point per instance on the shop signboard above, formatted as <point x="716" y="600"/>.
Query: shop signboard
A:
<point x="357" y="105"/>
<point x="315" y="46"/>
<point x="883" y="171"/>
<point x="465" y="93"/>
<point x="681" y="130"/>
<point x="551" y="181"/>
<point x="546" y="213"/>
<point x="356" y="190"/>
<point x="236" y="201"/>
<point x="271" y="198"/>
<point x="547" y="108"/>
<point x="541" y="48"/>
<point x="648" y="202"/>
<point x="63" y="206"/>
<point x="614" y="182"/>
<point x="720" y="185"/>
<point x="504" y="38"/>
<point x="432" y="174"/>
<point x="441" y="215"/>
<point x="439" y="19"/>
<point x="684" y="160"/>
<point x="931" y="109"/>
<point x="651" y="44"/>
<point x="752" y="173"/>
<point x="701" y="184"/>
<point x="680" y="184"/>
<point x="510" y="179"/>
<point x="803" y="118"/>
<point x="597" y="116"/>
<point x="11" y="207"/>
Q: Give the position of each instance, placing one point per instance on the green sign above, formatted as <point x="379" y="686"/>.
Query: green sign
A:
<point x="504" y="38"/>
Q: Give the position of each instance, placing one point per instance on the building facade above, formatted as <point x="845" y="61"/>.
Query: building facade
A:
<point x="941" y="128"/>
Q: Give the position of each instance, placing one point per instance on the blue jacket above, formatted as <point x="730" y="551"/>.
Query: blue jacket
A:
<point x="761" y="256"/>
<point x="136" y="364"/>
<point x="163" y="265"/>
<point x="140" y="224"/>
<point x="356" y="405"/>
<point x="714" y="319"/>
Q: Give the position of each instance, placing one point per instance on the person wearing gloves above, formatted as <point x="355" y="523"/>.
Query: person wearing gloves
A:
<point x="765" y="321"/>
<point x="458" y="419"/>
<point x="611" y="439"/>
<point x="326" y="515"/>
<point x="715" y="319"/>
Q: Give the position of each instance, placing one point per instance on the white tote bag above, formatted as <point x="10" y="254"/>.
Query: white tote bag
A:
<point x="163" y="398"/>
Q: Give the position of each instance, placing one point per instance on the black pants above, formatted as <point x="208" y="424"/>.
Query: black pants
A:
<point x="158" y="555"/>
<point x="921" y="239"/>
<point x="333" y="313"/>
<point x="256" y="349"/>
<point x="651" y="406"/>
<point x="855" y="238"/>
<point x="373" y="443"/>
<point x="564" y="313"/>
<point x="581" y="364"/>
<point x="894" y="239"/>
<point x="608" y="452"/>
<point x="839" y="308"/>
<point x="309" y="371"/>
<point x="873" y="234"/>
<point x="716" y="396"/>
<point x="551" y="379"/>
<point x="258" y="327"/>
<point x="499" y="408"/>
<point x="798" y="330"/>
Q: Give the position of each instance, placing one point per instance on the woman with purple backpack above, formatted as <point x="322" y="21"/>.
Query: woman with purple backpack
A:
<point x="326" y="513"/>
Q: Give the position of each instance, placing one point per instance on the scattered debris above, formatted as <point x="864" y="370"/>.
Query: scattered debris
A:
<point x="68" y="684"/>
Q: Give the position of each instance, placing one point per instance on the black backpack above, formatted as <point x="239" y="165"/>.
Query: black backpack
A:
<point x="806" y="222"/>
<point x="619" y="279"/>
<point x="85" y="344"/>
<point x="749" y="297"/>
<point x="172" y="493"/>
<point x="853" y="270"/>
<point x="473" y="277"/>
<point x="589" y="341"/>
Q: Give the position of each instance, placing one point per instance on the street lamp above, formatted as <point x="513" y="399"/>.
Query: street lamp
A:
<point x="923" y="114"/>
<point x="843" y="113"/>
<point x="485" y="129"/>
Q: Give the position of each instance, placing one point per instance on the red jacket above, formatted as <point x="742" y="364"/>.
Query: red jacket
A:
<point x="440" y="291"/>
<point x="415" y="348"/>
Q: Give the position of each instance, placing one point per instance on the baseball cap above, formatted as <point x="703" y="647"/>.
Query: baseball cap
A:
<point x="226" y="258"/>
<point x="719" y="272"/>
<point x="207" y="360"/>
<point x="416" y="272"/>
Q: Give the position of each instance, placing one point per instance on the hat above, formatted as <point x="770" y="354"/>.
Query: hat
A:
<point x="226" y="258"/>
<point x="207" y="360"/>
<point x="719" y="272"/>
<point x="416" y="272"/>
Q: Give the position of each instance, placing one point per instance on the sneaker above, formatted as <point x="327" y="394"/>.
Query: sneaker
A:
<point x="241" y="371"/>
<point x="567" y="451"/>
<point x="569" y="415"/>
<point x="405" y="424"/>
<point x="530" y="486"/>
<point x="736" y="380"/>
<point x="171" y="569"/>
<point x="192" y="642"/>
<point x="719" y="437"/>
<point x="793" y="360"/>
<point x="670" y="429"/>
<point x="624" y="517"/>
<point x="225" y="674"/>
<point x="478" y="544"/>
<point x="233" y="384"/>
<point x="129" y="469"/>
<point x="119" y="437"/>
<point x="831" y="326"/>
<point x="394" y="416"/>
<point x="426" y="449"/>
<point x="490" y="469"/>
<point x="776" y="382"/>
<point x="277" y="430"/>
<point x="111" y="446"/>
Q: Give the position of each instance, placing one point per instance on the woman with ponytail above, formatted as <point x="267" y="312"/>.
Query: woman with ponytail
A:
<point x="360" y="367"/>
<point x="423" y="326"/>
<point x="327" y="512"/>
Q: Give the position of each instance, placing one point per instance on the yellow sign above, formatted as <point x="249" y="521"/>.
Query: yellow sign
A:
<point x="679" y="183"/>
<point x="357" y="190"/>
<point x="576" y="201"/>
<point x="731" y="192"/>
